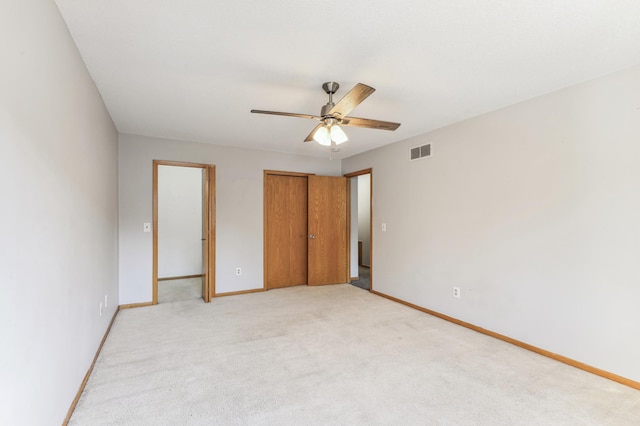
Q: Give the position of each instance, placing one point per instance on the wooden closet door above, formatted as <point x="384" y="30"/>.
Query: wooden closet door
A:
<point x="285" y="230"/>
<point x="327" y="227"/>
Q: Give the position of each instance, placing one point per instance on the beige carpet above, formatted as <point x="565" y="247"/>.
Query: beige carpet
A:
<point x="179" y="290"/>
<point x="330" y="355"/>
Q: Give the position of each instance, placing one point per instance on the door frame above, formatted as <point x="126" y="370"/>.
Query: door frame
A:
<point x="210" y="208"/>
<point x="369" y="172"/>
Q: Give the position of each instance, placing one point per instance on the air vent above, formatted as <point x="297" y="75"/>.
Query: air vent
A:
<point x="415" y="153"/>
<point x="421" y="152"/>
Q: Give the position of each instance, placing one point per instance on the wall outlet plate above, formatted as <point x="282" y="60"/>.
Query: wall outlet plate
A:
<point x="456" y="292"/>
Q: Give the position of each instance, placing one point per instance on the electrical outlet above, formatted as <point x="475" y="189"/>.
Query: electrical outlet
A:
<point x="105" y="301"/>
<point x="456" y="292"/>
<point x="100" y="308"/>
<point x="238" y="271"/>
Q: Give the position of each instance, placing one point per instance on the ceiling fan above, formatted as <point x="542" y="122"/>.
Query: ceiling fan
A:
<point x="334" y="115"/>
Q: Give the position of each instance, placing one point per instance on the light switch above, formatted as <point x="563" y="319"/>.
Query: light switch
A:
<point x="384" y="227"/>
<point x="146" y="227"/>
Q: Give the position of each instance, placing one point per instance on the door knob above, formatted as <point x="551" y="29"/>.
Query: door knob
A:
<point x="312" y="237"/>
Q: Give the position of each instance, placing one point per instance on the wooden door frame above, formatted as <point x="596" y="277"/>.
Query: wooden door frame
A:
<point x="369" y="172"/>
<point x="210" y="203"/>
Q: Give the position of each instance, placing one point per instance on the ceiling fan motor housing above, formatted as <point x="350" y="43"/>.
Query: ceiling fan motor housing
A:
<point x="324" y="112"/>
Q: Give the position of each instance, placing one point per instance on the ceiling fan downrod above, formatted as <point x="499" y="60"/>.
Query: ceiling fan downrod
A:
<point x="330" y="88"/>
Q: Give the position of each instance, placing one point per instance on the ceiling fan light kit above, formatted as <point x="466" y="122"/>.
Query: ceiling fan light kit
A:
<point x="324" y="135"/>
<point x="338" y="135"/>
<point x="332" y="115"/>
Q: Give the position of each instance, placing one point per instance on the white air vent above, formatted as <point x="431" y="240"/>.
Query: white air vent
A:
<point x="420" y="152"/>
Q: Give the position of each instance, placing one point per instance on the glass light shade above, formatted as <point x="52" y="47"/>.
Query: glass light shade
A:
<point x="322" y="136"/>
<point x="338" y="135"/>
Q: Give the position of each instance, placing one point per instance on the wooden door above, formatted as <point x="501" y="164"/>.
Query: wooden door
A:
<point x="285" y="230"/>
<point x="205" y="232"/>
<point x="327" y="224"/>
<point x="209" y="232"/>
<point x="204" y="254"/>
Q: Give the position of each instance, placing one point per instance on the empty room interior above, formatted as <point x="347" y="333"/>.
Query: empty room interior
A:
<point x="330" y="212"/>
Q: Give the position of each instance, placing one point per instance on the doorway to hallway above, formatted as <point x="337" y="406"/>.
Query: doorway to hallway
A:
<point x="361" y="190"/>
<point x="183" y="231"/>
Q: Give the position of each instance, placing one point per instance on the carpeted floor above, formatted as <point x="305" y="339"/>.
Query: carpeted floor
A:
<point x="179" y="290"/>
<point x="330" y="355"/>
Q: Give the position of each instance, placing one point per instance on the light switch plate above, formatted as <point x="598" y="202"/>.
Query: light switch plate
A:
<point x="146" y="227"/>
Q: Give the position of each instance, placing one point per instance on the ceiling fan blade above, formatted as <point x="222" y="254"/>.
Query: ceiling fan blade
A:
<point x="310" y="137"/>
<point x="368" y="123"/>
<point x="287" y="114"/>
<point x="351" y="100"/>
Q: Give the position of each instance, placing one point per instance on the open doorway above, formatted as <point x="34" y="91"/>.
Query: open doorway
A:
<point x="183" y="237"/>
<point x="360" y="229"/>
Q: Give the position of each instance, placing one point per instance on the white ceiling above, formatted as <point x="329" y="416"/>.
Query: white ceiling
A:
<point x="192" y="69"/>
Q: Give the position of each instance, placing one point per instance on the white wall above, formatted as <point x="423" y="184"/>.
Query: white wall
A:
<point x="179" y="221"/>
<point x="364" y="216"/>
<point x="239" y="208"/>
<point x="533" y="211"/>
<point x="58" y="220"/>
